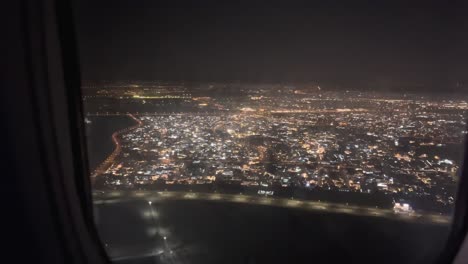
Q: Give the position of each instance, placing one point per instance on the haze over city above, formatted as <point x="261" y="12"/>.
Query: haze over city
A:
<point x="389" y="46"/>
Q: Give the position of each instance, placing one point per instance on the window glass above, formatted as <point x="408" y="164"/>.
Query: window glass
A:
<point x="245" y="132"/>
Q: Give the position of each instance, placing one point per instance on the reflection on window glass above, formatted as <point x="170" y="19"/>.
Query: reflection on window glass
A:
<point x="245" y="133"/>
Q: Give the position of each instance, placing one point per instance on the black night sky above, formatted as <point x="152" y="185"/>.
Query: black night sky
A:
<point x="363" y="44"/>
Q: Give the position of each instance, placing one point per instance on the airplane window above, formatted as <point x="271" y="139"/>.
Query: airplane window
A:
<point x="264" y="132"/>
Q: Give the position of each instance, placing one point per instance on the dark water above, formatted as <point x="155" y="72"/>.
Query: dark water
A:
<point x="99" y="136"/>
<point x="210" y="232"/>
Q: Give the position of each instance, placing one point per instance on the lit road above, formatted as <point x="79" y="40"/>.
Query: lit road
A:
<point x="115" y="138"/>
<point x="318" y="206"/>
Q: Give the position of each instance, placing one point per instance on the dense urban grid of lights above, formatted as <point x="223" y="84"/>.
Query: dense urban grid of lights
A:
<point x="282" y="137"/>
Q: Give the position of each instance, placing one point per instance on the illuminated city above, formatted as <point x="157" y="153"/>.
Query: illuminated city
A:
<point x="261" y="132"/>
<point x="298" y="142"/>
